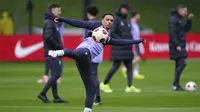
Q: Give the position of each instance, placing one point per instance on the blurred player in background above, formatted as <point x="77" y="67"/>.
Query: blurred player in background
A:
<point x="89" y="26"/>
<point x="6" y="24"/>
<point x="135" y="17"/>
<point x="121" y="29"/>
<point x="45" y="78"/>
<point x="92" y="12"/>
<point x="177" y="41"/>
<point x="52" y="41"/>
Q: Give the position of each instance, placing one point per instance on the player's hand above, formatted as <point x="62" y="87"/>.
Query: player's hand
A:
<point x="178" y="48"/>
<point x="190" y="16"/>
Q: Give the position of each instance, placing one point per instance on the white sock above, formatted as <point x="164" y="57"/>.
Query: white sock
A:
<point x="45" y="77"/>
<point x="87" y="110"/>
<point x="136" y="69"/>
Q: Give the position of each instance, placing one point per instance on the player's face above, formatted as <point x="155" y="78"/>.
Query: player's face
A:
<point x="56" y="11"/>
<point x="124" y="11"/>
<point x="183" y="12"/>
<point x="107" y="21"/>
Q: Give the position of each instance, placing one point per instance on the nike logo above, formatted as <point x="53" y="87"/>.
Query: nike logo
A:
<point x="21" y="52"/>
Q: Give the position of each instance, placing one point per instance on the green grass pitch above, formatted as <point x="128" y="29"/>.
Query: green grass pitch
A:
<point x="19" y="90"/>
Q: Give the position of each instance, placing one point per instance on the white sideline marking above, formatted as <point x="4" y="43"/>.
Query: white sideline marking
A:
<point x="77" y="107"/>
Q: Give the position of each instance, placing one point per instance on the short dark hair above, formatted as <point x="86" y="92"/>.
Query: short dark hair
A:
<point x="180" y="6"/>
<point x="51" y="6"/>
<point x="108" y="13"/>
<point x="133" y="14"/>
<point x="92" y="9"/>
<point x="126" y="6"/>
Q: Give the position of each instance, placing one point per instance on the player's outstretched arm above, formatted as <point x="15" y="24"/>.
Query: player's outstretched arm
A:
<point x="121" y="42"/>
<point x="91" y="25"/>
<point x="188" y="25"/>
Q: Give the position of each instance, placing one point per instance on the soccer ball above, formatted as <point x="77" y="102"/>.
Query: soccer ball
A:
<point x="190" y="86"/>
<point x="100" y="35"/>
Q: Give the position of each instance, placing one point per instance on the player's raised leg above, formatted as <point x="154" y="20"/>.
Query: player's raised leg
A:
<point x="83" y="62"/>
<point x="65" y="52"/>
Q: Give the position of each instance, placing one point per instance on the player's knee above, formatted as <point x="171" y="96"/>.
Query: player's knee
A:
<point x="129" y="67"/>
<point x="183" y="64"/>
<point x="116" y="66"/>
<point x="91" y="91"/>
<point x="136" y="60"/>
<point x="129" y="70"/>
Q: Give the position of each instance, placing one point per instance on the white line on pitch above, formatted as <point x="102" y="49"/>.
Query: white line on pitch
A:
<point x="77" y="107"/>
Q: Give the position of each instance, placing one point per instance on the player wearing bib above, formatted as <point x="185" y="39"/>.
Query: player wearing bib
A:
<point x="86" y="52"/>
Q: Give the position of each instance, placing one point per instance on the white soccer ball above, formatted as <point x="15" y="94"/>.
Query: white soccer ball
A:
<point x="190" y="86"/>
<point x="100" y="35"/>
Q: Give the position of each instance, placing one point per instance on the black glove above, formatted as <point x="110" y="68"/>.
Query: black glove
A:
<point x="57" y="20"/>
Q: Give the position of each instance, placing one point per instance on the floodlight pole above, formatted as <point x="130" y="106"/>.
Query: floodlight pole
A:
<point x="29" y="8"/>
